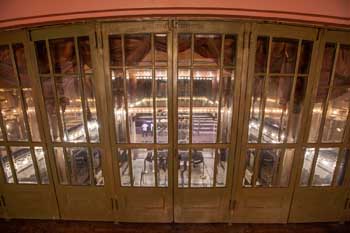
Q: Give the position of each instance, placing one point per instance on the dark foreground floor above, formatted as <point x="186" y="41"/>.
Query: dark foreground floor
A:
<point x="35" y="226"/>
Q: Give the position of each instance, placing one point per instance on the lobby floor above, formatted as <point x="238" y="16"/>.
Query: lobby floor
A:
<point x="37" y="226"/>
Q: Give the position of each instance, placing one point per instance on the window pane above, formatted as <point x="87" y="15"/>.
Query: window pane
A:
<point x="325" y="166"/>
<point x="119" y="105"/>
<point x="205" y="106"/>
<point x="285" y="166"/>
<point x="71" y="108"/>
<point x="183" y="167"/>
<point x="262" y="49"/>
<point x="162" y="164"/>
<point x="337" y="112"/>
<point x="276" y="109"/>
<point x="5" y="162"/>
<point x="230" y="50"/>
<point x="183" y="102"/>
<point x="21" y="64"/>
<point x="40" y="160"/>
<point x="221" y="168"/>
<point x="7" y="72"/>
<point x="143" y="167"/>
<point x="79" y="164"/>
<point x="50" y="107"/>
<point x="305" y="57"/>
<point x="342" y="168"/>
<point x="161" y="49"/>
<point x="97" y="166"/>
<point x="138" y="50"/>
<point x="140" y="105"/>
<point x="202" y="167"/>
<point x="85" y="54"/>
<point x="91" y="110"/>
<point x="162" y="106"/>
<point x="297" y="109"/>
<point x="184" y="49"/>
<point x="226" y="105"/>
<point x="12" y="115"/>
<point x="61" y="165"/>
<point x="283" y="55"/>
<point x="269" y="163"/>
<point x="24" y="166"/>
<point x="41" y="57"/>
<point x="307" y="166"/>
<point x="207" y="49"/>
<point x="63" y="55"/>
<point x="31" y="114"/>
<point x="249" y="167"/>
<point x="115" y="50"/>
<point x="255" y="109"/>
<point x="124" y="171"/>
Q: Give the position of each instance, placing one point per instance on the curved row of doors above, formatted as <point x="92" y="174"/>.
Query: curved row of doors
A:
<point x="185" y="121"/>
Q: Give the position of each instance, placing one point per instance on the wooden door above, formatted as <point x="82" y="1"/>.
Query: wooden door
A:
<point x="27" y="189"/>
<point x="138" y="74"/>
<point x="323" y="180"/>
<point x="274" y="98"/>
<point x="67" y="72"/>
<point x="207" y="66"/>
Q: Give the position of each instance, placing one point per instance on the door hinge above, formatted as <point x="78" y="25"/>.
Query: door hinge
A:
<point x="232" y="204"/>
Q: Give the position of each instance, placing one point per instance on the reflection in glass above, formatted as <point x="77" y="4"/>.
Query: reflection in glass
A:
<point x="140" y="105"/>
<point x="143" y="167"/>
<point x="207" y="49"/>
<point x="161" y="83"/>
<point x="12" y="115"/>
<point x="31" y="114"/>
<point x="205" y="106"/>
<point x="307" y="166"/>
<point x="325" y="166"/>
<point x="249" y="167"/>
<point x="230" y="45"/>
<point x="202" y="167"/>
<point x="221" y="168"/>
<point x="90" y="108"/>
<point x="119" y="105"/>
<point x="50" y="107"/>
<point x="7" y="72"/>
<point x="161" y="49"/>
<point x="337" y="112"/>
<point x="285" y="168"/>
<point x="124" y="170"/>
<point x="79" y="163"/>
<point x="21" y="65"/>
<point x="262" y="50"/>
<point x="115" y="50"/>
<point x="162" y="165"/>
<point x="97" y="166"/>
<point x="283" y="55"/>
<point x="85" y="54"/>
<point x="276" y="109"/>
<point x="305" y="56"/>
<point x="184" y="49"/>
<point x="138" y="50"/>
<point x="183" y="167"/>
<point x="255" y="109"/>
<point x="297" y="108"/>
<point x="183" y="102"/>
<point x="6" y="167"/>
<point x="41" y="57"/>
<point x="40" y="160"/>
<point x="24" y="166"/>
<point x="269" y="162"/>
<point x="68" y="93"/>
<point x="227" y="84"/>
<point x="61" y="165"/>
<point x="342" y="168"/>
<point x="63" y="55"/>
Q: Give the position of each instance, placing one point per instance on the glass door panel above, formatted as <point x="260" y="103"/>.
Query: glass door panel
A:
<point x="138" y="64"/>
<point x="25" y="177"/>
<point x="67" y="74"/>
<point x="320" y="194"/>
<point x="206" y="90"/>
<point x="276" y="90"/>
